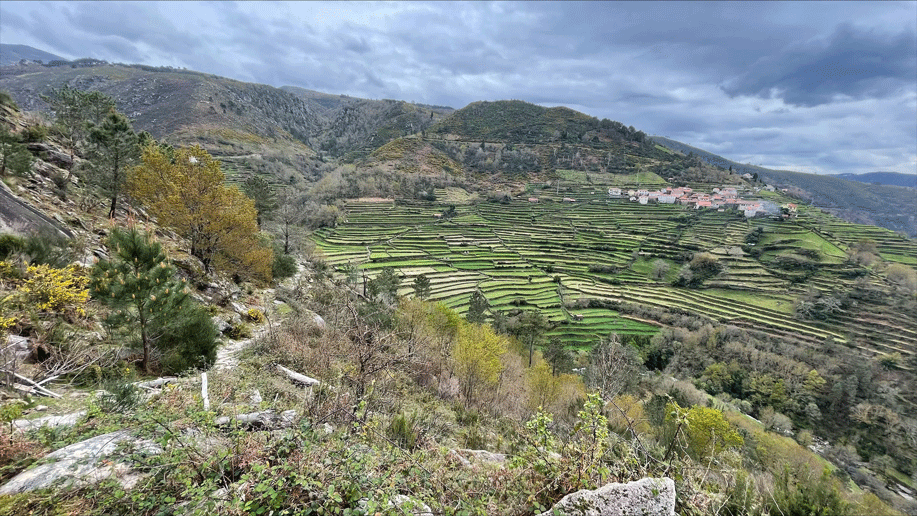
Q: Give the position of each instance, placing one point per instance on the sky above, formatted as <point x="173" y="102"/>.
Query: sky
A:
<point x="821" y="87"/>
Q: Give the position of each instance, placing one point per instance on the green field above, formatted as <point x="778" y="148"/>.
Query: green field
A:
<point x="566" y="258"/>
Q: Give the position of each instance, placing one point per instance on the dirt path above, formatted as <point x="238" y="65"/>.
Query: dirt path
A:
<point x="228" y="354"/>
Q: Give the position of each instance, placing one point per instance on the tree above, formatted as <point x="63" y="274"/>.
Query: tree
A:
<point x="558" y="356"/>
<point x="14" y="156"/>
<point x="185" y="192"/>
<point x="114" y="147"/>
<point x="259" y="190"/>
<point x="478" y="350"/>
<point x="384" y="285"/>
<point x="75" y="112"/>
<point x="141" y="287"/>
<point x="530" y="330"/>
<point x="290" y="213"/>
<point x="422" y="286"/>
<point x="611" y="367"/>
<point x="702" y="266"/>
<point x="477" y="306"/>
<point x="707" y="431"/>
<point x="902" y="276"/>
<point x="660" y="269"/>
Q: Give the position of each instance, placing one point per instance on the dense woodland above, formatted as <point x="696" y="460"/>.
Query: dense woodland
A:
<point x="440" y="312"/>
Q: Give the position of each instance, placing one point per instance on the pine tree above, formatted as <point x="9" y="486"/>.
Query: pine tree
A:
<point x="422" y="286"/>
<point x="114" y="148"/>
<point x="259" y="190"/>
<point x="75" y="111"/>
<point x="477" y="306"/>
<point x="14" y="156"/>
<point x="140" y="286"/>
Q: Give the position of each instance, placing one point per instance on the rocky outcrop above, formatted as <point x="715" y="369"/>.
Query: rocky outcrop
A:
<point x="18" y="217"/>
<point x="26" y="425"/>
<point x="465" y="457"/>
<point x="646" y="497"/>
<point x="86" y="462"/>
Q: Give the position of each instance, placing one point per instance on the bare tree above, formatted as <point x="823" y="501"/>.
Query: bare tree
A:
<point x="612" y="367"/>
<point x="289" y="215"/>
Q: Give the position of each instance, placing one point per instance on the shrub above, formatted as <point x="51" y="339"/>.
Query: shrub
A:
<point x="404" y="430"/>
<point x="57" y="290"/>
<point x="34" y="133"/>
<point x="47" y="247"/>
<point x="254" y="315"/>
<point x="7" y="100"/>
<point x="800" y="495"/>
<point x="284" y="266"/>
<point x="238" y="331"/>
<point x="10" y="244"/>
<point x="189" y="344"/>
<point x="119" y="396"/>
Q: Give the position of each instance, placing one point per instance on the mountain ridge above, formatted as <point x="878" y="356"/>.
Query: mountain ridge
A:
<point x="286" y="134"/>
<point x="11" y="54"/>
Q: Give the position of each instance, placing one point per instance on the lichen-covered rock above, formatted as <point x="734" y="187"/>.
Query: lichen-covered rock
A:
<point x="482" y="456"/>
<point x="86" y="462"/>
<point x="646" y="497"/>
<point x="26" y="425"/>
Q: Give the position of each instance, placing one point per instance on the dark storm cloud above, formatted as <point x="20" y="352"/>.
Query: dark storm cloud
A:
<point x="852" y="62"/>
<point x="767" y="82"/>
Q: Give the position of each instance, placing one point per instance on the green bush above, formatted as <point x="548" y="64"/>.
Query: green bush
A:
<point x="48" y="248"/>
<point x="34" y="134"/>
<point x="120" y="396"/>
<point x="804" y="495"/>
<point x="189" y="344"/>
<point x="238" y="331"/>
<point x="403" y="430"/>
<point x="7" y="100"/>
<point x="10" y="244"/>
<point x="284" y="266"/>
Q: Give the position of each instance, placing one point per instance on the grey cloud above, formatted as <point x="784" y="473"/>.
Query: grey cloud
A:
<point x="132" y="22"/>
<point x="663" y="67"/>
<point x="852" y="63"/>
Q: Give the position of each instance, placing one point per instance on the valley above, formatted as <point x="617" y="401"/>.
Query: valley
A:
<point x="460" y="283"/>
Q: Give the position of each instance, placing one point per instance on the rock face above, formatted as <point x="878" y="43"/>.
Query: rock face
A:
<point x="25" y="425"/>
<point x="82" y="463"/>
<point x="646" y="497"/>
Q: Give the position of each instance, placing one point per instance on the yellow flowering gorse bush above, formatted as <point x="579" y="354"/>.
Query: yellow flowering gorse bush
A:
<point x="57" y="290"/>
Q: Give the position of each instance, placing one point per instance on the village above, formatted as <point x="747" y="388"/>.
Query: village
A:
<point x="718" y="199"/>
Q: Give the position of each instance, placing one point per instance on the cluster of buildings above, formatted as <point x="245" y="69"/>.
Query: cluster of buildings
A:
<point x="719" y="198"/>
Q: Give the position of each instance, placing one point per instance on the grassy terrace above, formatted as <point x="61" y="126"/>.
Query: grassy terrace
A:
<point x="550" y="254"/>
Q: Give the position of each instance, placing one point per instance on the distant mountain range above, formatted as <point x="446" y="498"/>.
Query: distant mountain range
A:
<point x="12" y="54"/>
<point x="882" y="178"/>
<point x="289" y="133"/>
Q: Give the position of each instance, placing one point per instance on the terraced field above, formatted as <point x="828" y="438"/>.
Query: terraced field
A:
<point x="555" y="256"/>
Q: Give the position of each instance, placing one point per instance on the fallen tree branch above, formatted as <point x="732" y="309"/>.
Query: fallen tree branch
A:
<point x="265" y="419"/>
<point x="297" y="377"/>
<point x="34" y="386"/>
<point x="49" y="379"/>
<point x="153" y="384"/>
